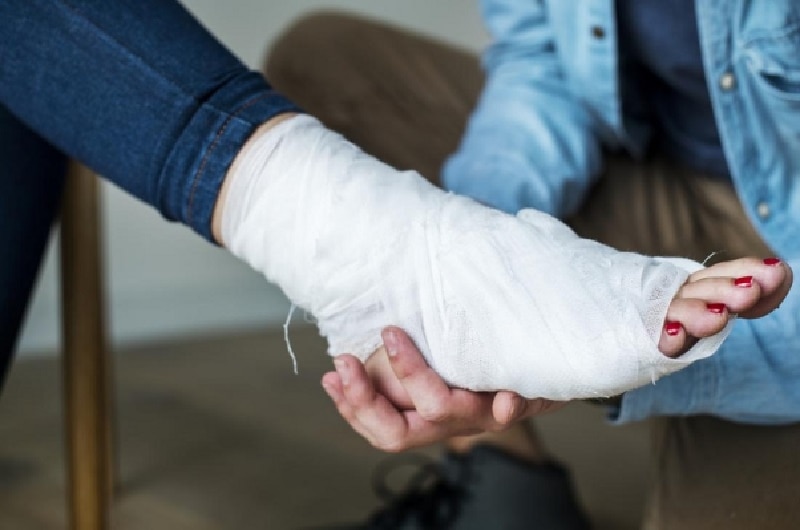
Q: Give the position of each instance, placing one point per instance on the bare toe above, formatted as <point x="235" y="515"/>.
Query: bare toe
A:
<point x="773" y="294"/>
<point x="674" y="341"/>
<point x="738" y="294"/>
<point x="699" y="318"/>
<point x="769" y="273"/>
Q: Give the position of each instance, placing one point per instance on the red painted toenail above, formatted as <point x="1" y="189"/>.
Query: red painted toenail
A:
<point x="672" y="327"/>
<point x="772" y="261"/>
<point x="716" y="307"/>
<point x="744" y="281"/>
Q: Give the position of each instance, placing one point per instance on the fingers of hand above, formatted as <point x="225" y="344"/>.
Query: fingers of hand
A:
<point x="375" y="418"/>
<point x="509" y="408"/>
<point x="383" y="378"/>
<point x="332" y="384"/>
<point x="433" y="399"/>
<point x="384" y="424"/>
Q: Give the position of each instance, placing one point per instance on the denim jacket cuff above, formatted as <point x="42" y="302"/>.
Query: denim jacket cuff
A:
<point x="690" y="391"/>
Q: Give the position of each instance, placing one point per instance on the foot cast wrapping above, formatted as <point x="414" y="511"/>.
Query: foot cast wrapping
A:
<point x="493" y="301"/>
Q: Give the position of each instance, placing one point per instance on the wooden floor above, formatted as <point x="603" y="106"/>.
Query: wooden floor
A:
<point x="218" y="433"/>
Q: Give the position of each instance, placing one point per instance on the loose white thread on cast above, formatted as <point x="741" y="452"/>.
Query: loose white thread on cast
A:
<point x="711" y="256"/>
<point x="289" y="342"/>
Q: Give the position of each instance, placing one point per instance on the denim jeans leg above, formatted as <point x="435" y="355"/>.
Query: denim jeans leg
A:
<point x="137" y="90"/>
<point x="31" y="183"/>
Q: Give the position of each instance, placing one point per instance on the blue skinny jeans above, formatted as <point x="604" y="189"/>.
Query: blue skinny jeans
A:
<point x="137" y="90"/>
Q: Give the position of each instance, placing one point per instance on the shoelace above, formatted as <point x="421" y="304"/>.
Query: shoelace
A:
<point x="429" y="498"/>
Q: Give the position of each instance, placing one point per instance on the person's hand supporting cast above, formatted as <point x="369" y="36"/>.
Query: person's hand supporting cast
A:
<point x="397" y="402"/>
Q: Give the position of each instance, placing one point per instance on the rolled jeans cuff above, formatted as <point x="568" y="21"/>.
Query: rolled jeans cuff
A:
<point x="215" y="133"/>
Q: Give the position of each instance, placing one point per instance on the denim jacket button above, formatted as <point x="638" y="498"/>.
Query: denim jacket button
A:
<point x="727" y="81"/>
<point x="763" y="210"/>
<point x="598" y="32"/>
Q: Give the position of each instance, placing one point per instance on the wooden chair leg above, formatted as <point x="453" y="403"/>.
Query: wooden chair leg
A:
<point x="86" y="363"/>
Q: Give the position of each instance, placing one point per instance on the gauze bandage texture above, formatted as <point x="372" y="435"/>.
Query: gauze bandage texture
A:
<point x="493" y="301"/>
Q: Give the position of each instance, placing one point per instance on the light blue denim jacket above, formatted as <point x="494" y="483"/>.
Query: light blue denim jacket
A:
<point x="552" y="100"/>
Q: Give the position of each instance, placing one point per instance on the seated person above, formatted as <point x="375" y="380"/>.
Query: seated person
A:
<point x="644" y="127"/>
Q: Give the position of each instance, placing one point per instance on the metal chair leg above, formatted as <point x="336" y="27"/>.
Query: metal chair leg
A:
<point x="86" y="363"/>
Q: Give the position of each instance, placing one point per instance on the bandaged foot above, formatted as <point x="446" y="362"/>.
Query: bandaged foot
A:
<point x="493" y="301"/>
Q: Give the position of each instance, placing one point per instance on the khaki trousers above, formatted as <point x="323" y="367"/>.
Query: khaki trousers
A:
<point x="406" y="99"/>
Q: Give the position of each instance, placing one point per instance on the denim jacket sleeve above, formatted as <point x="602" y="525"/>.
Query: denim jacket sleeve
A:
<point x="529" y="143"/>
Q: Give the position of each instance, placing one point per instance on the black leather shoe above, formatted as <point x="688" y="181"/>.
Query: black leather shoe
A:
<point x="484" y="489"/>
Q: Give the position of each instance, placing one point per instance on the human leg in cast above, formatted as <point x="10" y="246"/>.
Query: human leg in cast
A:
<point x="493" y="301"/>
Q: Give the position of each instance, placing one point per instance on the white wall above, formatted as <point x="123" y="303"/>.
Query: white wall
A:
<point x="163" y="280"/>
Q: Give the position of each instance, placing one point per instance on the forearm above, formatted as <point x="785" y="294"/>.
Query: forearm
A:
<point x="530" y="143"/>
<point x="525" y="147"/>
